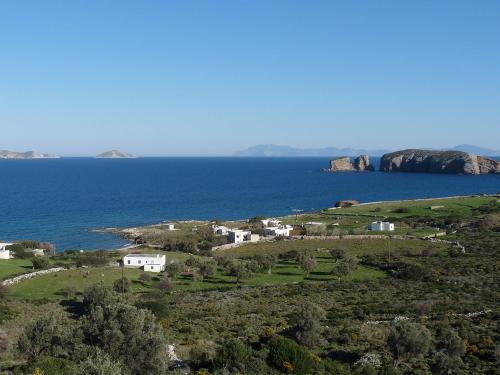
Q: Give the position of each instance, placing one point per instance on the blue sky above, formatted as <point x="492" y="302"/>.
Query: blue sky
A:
<point x="212" y="77"/>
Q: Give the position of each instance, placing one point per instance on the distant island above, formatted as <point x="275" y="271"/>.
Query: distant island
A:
<point x="5" y="154"/>
<point x="420" y="161"/>
<point x="344" y="164"/>
<point x="450" y="162"/>
<point x="115" y="154"/>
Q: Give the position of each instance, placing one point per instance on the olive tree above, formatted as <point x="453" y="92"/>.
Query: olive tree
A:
<point x="408" y="340"/>
<point x="308" y="328"/>
<point x="127" y="334"/>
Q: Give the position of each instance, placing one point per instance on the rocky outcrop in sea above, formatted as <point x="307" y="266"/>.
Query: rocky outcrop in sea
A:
<point x="344" y="164"/>
<point x="451" y="162"/>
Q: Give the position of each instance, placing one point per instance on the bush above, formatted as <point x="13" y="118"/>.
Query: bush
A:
<point x="233" y="354"/>
<point x="401" y="210"/>
<point x="127" y="334"/>
<point x="54" y="366"/>
<point x="308" y="328"/>
<point x="40" y="263"/>
<point x="287" y="356"/>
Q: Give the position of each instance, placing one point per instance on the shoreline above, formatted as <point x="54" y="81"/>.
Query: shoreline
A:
<point x="128" y="233"/>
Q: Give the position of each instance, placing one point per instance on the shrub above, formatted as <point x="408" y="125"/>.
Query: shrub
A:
<point x="127" y="334"/>
<point x="408" y="340"/>
<point x="401" y="210"/>
<point x="40" y="263"/>
<point x="286" y="355"/>
<point x="308" y="328"/>
<point x="145" y="277"/>
<point x="121" y="285"/>
<point x="50" y="335"/>
<point x="54" y="366"/>
<point x="233" y="354"/>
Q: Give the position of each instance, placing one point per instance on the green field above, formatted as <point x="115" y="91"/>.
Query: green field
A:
<point x="355" y="247"/>
<point x="51" y="286"/>
<point x="13" y="267"/>
<point x="462" y="206"/>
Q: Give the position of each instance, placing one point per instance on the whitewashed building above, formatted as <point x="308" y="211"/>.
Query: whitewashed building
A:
<point x="220" y="229"/>
<point x="150" y="262"/>
<point x="271" y="222"/>
<point x="170" y="226"/>
<point x="382" y="226"/>
<point x="36" y="252"/>
<point x="281" y="230"/>
<point x="239" y="235"/>
<point x="4" y="253"/>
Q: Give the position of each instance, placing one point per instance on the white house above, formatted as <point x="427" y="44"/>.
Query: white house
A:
<point x="238" y="235"/>
<point x="170" y="226"/>
<point x="281" y="230"/>
<point x="271" y="222"/>
<point x="220" y="229"/>
<point x="150" y="262"/>
<point x="4" y="253"/>
<point x="382" y="226"/>
<point x="36" y="252"/>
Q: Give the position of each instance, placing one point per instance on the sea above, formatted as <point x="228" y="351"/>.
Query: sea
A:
<point x="64" y="200"/>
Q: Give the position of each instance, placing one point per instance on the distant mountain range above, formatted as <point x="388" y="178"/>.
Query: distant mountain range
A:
<point x="4" y="154"/>
<point x="476" y="150"/>
<point x="275" y="150"/>
<point x="270" y="150"/>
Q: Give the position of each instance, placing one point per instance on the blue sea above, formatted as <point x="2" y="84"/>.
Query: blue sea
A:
<point x="62" y="200"/>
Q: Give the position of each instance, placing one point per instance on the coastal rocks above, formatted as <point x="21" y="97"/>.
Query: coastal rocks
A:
<point x="346" y="203"/>
<point x="450" y="162"/>
<point x="362" y="163"/>
<point x="344" y="164"/>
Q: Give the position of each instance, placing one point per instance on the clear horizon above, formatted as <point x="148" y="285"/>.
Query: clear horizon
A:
<point x="208" y="79"/>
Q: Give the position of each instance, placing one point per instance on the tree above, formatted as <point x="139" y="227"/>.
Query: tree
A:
<point x="207" y="268"/>
<point x="266" y="262"/>
<point x="239" y="270"/>
<point x="98" y="295"/>
<point x="307" y="263"/>
<point x="308" y="328"/>
<point x="127" y="334"/>
<point x="287" y="356"/>
<point x="337" y="253"/>
<point x="40" y="263"/>
<point x="121" y="285"/>
<point x="345" y="266"/>
<point x="449" y="358"/>
<point x="172" y="269"/>
<point x="19" y="251"/>
<point x="50" y="335"/>
<point x="408" y="340"/>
